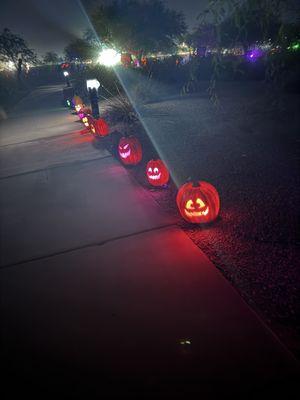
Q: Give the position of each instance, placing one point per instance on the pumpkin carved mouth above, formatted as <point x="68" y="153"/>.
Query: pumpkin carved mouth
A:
<point x="196" y="208"/>
<point x="154" y="174"/>
<point x="155" y="177"/>
<point x="125" y="154"/>
<point x="197" y="213"/>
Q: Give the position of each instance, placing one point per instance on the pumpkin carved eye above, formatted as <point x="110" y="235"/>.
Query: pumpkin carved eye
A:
<point x="190" y="205"/>
<point x="150" y="169"/>
<point x="200" y="203"/>
<point x="126" y="146"/>
<point x="155" y="170"/>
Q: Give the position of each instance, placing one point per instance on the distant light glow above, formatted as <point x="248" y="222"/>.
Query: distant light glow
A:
<point x="66" y="73"/>
<point x="254" y="54"/>
<point x="109" y="57"/>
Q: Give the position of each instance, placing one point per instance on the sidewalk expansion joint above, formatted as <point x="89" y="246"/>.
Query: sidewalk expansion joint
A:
<point x="41" y="139"/>
<point x="54" y="166"/>
<point x="86" y="246"/>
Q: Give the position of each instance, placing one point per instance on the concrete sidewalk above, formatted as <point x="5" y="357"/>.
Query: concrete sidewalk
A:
<point x="102" y="293"/>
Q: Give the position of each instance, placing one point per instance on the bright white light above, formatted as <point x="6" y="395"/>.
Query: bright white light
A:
<point x="109" y="57"/>
<point x="10" y="66"/>
<point x="66" y="73"/>
<point x="92" y="84"/>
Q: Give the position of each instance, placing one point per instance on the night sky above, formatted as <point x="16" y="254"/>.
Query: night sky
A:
<point x="48" y="25"/>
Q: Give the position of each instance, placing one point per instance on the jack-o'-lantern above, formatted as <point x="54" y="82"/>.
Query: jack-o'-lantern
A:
<point x="130" y="150"/>
<point x="157" y="173"/>
<point x="81" y="115"/>
<point x="78" y="107"/>
<point x="99" y="127"/>
<point x="84" y="112"/>
<point x="87" y="121"/>
<point x="198" y="203"/>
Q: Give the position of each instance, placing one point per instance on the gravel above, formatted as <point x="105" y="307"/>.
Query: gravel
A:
<point x="248" y="149"/>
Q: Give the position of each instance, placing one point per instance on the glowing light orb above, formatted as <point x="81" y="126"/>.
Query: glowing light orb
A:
<point x="66" y="73"/>
<point x="254" y="54"/>
<point x="109" y="57"/>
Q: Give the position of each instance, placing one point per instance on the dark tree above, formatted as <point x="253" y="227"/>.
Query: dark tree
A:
<point x="79" y="49"/>
<point x="143" y="27"/>
<point x="51" y="58"/>
<point x="13" y="48"/>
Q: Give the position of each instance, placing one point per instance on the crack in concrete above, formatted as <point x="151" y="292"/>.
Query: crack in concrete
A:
<point x="62" y="165"/>
<point x="86" y="246"/>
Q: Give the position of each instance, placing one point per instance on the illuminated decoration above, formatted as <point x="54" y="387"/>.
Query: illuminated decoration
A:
<point x="81" y="115"/>
<point x="84" y="112"/>
<point x="78" y="103"/>
<point x="254" y="54"/>
<point x="89" y="123"/>
<point x="85" y="121"/>
<point x="78" y="107"/>
<point x="157" y="173"/>
<point x="64" y="65"/>
<point x="109" y="57"/>
<point x="198" y="203"/>
<point x="295" y="46"/>
<point x="68" y="103"/>
<point x="99" y="127"/>
<point x="126" y="59"/>
<point x="66" y="73"/>
<point x="130" y="150"/>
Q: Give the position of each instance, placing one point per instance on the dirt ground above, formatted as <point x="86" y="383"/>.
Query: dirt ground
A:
<point x="248" y="148"/>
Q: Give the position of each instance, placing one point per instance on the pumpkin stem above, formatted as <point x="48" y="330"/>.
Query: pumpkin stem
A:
<point x="193" y="180"/>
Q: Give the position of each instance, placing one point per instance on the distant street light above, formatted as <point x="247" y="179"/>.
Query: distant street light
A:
<point x="109" y="57"/>
<point x="93" y="86"/>
<point x="66" y="75"/>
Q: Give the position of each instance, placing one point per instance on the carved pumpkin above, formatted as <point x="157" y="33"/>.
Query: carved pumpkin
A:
<point x="157" y="173"/>
<point x="87" y="121"/>
<point x="130" y="150"/>
<point x="198" y="204"/>
<point x="81" y="115"/>
<point x="99" y="127"/>
<point x="78" y="107"/>
<point x="90" y="123"/>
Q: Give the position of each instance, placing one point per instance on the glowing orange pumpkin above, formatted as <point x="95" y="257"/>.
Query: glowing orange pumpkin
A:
<point x="84" y="112"/>
<point x="78" y="107"/>
<point x="198" y="204"/>
<point x="88" y="121"/>
<point x="157" y="173"/>
<point x="130" y="150"/>
<point x="99" y="127"/>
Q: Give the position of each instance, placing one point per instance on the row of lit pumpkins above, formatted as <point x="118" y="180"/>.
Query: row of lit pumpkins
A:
<point x="197" y="203"/>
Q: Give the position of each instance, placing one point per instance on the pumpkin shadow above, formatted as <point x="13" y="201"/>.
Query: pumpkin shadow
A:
<point x="203" y="226"/>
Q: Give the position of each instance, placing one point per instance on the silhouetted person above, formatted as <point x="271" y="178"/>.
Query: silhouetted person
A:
<point x="19" y="69"/>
